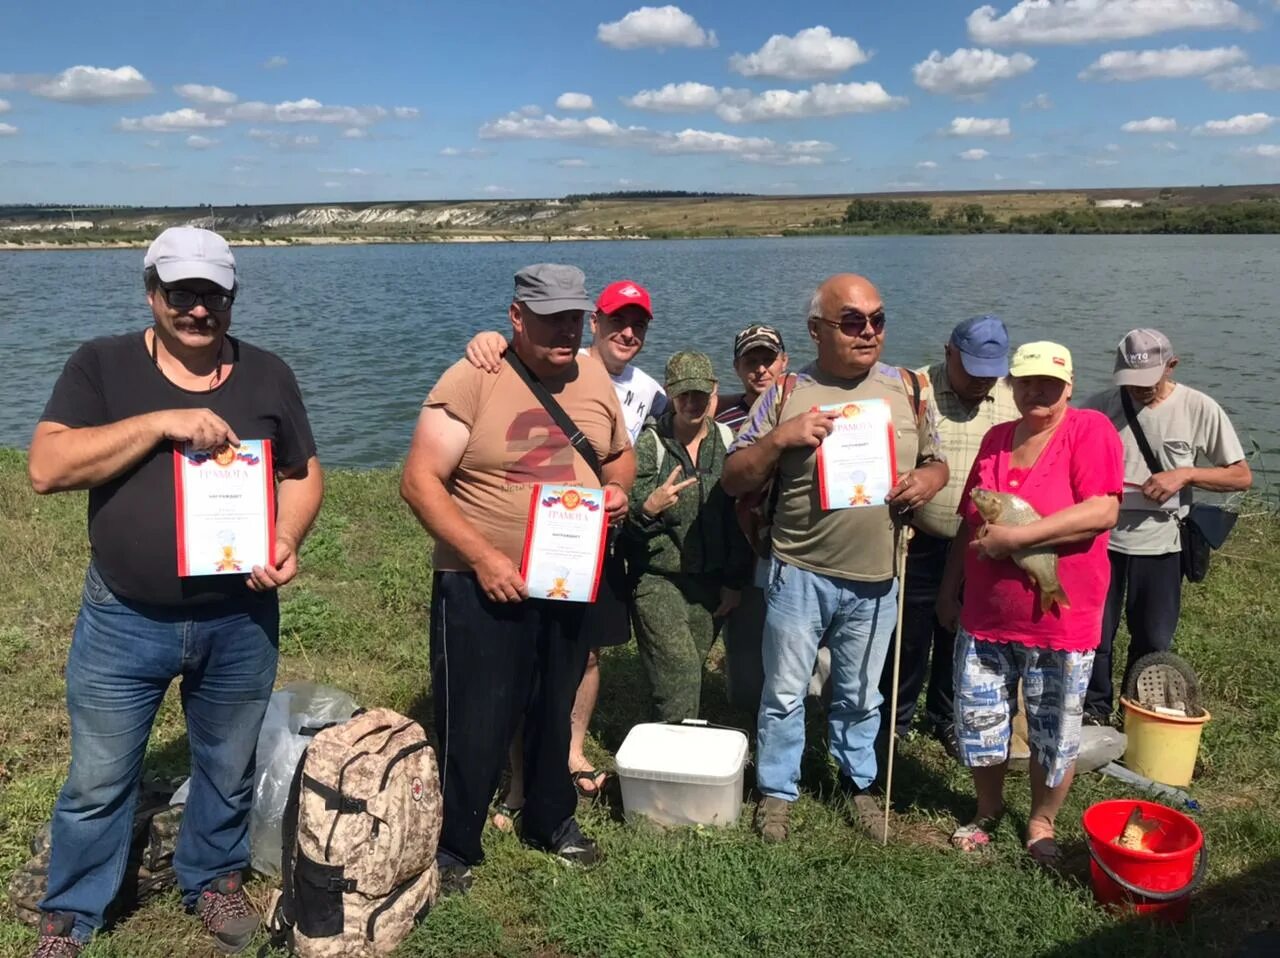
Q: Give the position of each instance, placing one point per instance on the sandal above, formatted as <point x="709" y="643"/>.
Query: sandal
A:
<point x="505" y="818"/>
<point x="1044" y="851"/>
<point x="976" y="835"/>
<point x="595" y="776"/>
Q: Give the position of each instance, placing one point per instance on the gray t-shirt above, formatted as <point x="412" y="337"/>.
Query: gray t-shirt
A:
<point x="1184" y="427"/>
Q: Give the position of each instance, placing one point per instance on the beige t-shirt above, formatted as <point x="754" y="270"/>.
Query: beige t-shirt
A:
<point x="514" y="444"/>
<point x="847" y="543"/>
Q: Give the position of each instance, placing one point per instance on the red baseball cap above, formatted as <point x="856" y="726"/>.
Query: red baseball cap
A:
<point x="624" y="293"/>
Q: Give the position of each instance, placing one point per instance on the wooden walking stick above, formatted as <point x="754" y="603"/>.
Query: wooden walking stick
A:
<point x="903" y="537"/>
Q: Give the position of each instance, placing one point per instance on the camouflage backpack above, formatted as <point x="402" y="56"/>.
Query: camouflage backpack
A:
<point x="149" y="869"/>
<point x="359" y="839"/>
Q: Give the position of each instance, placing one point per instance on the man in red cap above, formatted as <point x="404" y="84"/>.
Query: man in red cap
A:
<point x="618" y="328"/>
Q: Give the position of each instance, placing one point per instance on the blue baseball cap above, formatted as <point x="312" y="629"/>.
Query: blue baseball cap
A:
<point x="983" y="342"/>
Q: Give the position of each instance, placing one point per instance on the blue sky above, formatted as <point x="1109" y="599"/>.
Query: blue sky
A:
<point x="233" y="101"/>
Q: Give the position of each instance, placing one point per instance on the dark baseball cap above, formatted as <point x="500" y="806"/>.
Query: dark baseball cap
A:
<point x="757" y="335"/>
<point x="983" y="342"/>
<point x="552" y="288"/>
<point x="1142" y="357"/>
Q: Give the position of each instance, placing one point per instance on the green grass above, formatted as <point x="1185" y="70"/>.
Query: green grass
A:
<point x="356" y="619"/>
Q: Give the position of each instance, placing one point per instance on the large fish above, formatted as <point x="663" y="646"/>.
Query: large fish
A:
<point x="1040" y="565"/>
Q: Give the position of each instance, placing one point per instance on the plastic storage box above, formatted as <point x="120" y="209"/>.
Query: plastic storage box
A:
<point x="682" y="774"/>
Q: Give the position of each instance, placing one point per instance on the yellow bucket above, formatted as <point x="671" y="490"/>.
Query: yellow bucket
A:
<point x="1161" y="747"/>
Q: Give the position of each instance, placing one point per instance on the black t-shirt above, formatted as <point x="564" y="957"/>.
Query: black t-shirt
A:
<point x="132" y="518"/>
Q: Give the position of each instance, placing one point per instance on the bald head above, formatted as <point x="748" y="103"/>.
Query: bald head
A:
<point x="846" y="324"/>
<point x="841" y="291"/>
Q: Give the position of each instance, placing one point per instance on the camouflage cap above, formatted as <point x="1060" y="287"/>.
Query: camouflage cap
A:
<point x="689" y="372"/>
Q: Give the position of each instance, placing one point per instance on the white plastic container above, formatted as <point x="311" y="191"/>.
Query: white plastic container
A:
<point x="682" y="774"/>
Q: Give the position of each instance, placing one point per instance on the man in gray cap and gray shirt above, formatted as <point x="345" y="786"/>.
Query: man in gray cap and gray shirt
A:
<point x="1182" y="426"/>
<point x="498" y="656"/>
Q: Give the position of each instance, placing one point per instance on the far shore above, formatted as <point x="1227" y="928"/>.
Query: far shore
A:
<point x="142" y="243"/>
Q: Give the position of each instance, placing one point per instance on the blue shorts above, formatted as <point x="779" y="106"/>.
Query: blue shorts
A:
<point x="1053" y="683"/>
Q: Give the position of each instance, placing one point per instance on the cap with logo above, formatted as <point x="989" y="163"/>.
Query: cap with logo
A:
<point x="552" y="288"/>
<point x="621" y="294"/>
<point x="1142" y="357"/>
<point x="689" y="372"/>
<point x="983" y="342"/>
<point x="188" y="252"/>
<point x="758" y="335"/>
<point x="1042" y="359"/>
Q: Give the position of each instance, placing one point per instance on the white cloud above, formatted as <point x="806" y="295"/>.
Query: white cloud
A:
<point x="8" y="129"/>
<point x="406" y="112"/>
<point x="1173" y="63"/>
<point x="667" y="26"/>
<point x="1152" y="124"/>
<point x="926" y="165"/>
<point x="968" y="71"/>
<point x="1040" y="101"/>
<point x="332" y="184"/>
<point x="976" y="154"/>
<point x="81" y="84"/>
<point x="355" y="133"/>
<point x="1246" y="78"/>
<point x="305" y="110"/>
<point x="978" y="126"/>
<point x="349" y="171"/>
<point x="275" y="63"/>
<point x="1100" y="161"/>
<point x="572" y="163"/>
<point x="1246" y="124"/>
<point x="1166" y="146"/>
<point x="1084" y="21"/>
<point x="175" y="121"/>
<point x="822" y="99"/>
<point x="9" y="81"/>
<point x="4" y="106"/>
<point x="198" y="142"/>
<point x="574" y="101"/>
<point x="496" y="191"/>
<point x="809" y="55"/>
<point x="471" y="154"/>
<point x="676" y="98"/>
<point x="712" y="141"/>
<point x="208" y="95"/>
<point x="285" y="141"/>
<point x="1267" y="151"/>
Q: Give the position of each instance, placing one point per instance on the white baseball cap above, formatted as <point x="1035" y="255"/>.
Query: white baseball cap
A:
<point x="187" y="252"/>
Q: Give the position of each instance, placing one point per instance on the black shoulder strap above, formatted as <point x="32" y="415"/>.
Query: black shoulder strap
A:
<point x="1132" y="416"/>
<point x="557" y="413"/>
<point x="282" y="921"/>
<point x="910" y="375"/>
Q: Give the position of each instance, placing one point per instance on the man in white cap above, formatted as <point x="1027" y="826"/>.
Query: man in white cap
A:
<point x="1181" y="426"/>
<point x="119" y="409"/>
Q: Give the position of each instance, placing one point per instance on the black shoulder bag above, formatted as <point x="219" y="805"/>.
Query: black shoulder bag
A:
<point x="1204" y="528"/>
<point x="557" y="413"/>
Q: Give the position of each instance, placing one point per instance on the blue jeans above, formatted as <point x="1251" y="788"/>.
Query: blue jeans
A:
<point x="123" y="657"/>
<point x="856" y="619"/>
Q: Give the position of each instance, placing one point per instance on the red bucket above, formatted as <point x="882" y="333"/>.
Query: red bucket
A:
<point x="1157" y="879"/>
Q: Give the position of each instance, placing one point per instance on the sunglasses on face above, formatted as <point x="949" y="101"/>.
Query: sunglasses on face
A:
<point x="186" y="299"/>
<point x="853" y="323"/>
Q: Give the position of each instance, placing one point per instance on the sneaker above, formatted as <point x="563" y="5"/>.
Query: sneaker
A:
<point x="773" y="819"/>
<point x="55" y="936"/>
<point x="455" y="880"/>
<point x="946" y="734"/>
<point x="576" y="848"/>
<point x="224" y="909"/>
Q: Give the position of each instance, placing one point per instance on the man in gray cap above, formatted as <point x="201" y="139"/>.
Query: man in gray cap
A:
<point x="499" y="657"/>
<point x="972" y="395"/>
<point x="1181" y="425"/>
<point x="118" y="411"/>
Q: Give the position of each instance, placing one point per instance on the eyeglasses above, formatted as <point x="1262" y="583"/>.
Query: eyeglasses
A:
<point x="186" y="299"/>
<point x="853" y="323"/>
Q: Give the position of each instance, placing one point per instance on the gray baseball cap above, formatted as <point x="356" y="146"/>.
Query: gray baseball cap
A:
<point x="552" y="288"/>
<point x="188" y="252"/>
<point x="1142" y="357"/>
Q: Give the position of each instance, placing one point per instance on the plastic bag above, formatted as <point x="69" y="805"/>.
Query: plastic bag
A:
<point x="296" y="706"/>
<point x="1099" y="744"/>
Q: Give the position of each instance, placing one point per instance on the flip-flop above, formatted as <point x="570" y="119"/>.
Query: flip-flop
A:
<point x="510" y="816"/>
<point x="593" y="775"/>
<point x="976" y="835"/>
<point x="1044" y="851"/>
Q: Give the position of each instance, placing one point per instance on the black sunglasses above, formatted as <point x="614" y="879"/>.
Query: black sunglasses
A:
<point x="853" y="322"/>
<point x="186" y="299"/>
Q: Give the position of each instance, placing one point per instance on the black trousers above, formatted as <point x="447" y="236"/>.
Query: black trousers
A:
<point x="922" y="635"/>
<point x="493" y="665"/>
<point x="1147" y="590"/>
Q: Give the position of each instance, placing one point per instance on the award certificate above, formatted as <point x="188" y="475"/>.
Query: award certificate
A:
<point x="856" y="463"/>
<point x="226" y="508"/>
<point x="1134" y="500"/>
<point x="564" y="543"/>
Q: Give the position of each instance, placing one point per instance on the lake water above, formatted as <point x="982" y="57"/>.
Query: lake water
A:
<point x="368" y="329"/>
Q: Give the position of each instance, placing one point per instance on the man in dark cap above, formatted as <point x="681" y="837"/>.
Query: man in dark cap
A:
<point x="498" y="657"/>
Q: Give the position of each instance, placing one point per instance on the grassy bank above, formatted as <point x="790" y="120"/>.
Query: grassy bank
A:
<point x="355" y="620"/>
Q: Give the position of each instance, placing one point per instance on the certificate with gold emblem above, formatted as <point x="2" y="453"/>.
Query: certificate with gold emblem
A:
<point x="856" y="464"/>
<point x="564" y="543"/>
<point x="225" y="508"/>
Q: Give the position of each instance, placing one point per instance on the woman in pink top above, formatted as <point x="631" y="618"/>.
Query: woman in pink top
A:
<point x="1068" y="465"/>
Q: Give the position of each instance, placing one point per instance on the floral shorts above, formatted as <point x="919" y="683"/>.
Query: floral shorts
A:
<point x="986" y="681"/>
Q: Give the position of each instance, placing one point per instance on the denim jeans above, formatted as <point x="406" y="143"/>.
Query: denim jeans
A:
<point x="123" y="657"/>
<point x="856" y="619"/>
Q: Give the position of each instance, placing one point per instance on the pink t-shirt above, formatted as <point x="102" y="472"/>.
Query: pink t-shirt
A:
<point x="1083" y="459"/>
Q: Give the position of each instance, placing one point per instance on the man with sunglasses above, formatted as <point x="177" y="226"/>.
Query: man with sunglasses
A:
<point x="120" y="407"/>
<point x="832" y="571"/>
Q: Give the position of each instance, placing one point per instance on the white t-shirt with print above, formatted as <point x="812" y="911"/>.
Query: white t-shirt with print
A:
<point x="639" y="395"/>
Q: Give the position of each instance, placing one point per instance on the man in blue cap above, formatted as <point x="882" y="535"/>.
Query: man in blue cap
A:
<point x="972" y="396"/>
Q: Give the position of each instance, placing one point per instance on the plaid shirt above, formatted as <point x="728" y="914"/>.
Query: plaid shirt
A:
<point x="960" y="430"/>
